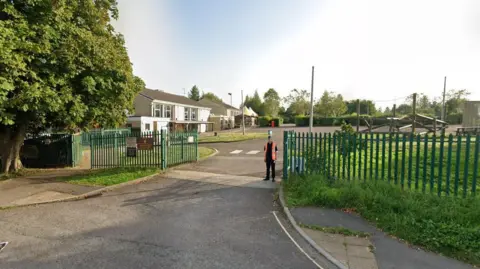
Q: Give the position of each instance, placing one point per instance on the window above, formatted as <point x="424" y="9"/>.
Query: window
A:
<point x="158" y="111"/>
<point x="168" y="112"/>
<point x="187" y="113"/>
<point x="194" y="114"/>
<point x="147" y="126"/>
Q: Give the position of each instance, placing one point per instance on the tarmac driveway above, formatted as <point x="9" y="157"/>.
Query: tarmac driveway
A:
<point x="162" y="223"/>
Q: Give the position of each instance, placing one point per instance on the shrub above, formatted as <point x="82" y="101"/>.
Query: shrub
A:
<point x="264" y="121"/>
<point x="455" y="118"/>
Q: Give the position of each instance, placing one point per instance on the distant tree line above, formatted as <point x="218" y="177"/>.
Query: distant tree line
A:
<point x="332" y="105"/>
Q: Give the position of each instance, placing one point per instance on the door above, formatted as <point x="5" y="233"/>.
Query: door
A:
<point x="155" y="127"/>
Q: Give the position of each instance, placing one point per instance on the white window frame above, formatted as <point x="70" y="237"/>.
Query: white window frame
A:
<point x="158" y="108"/>
<point x="167" y="111"/>
<point x="193" y="114"/>
<point x="187" y="113"/>
<point x="147" y="126"/>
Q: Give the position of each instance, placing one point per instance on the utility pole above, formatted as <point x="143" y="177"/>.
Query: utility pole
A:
<point x="358" y="115"/>
<point x="443" y="102"/>
<point x="311" y="101"/>
<point x="414" y="108"/>
<point x="243" y="115"/>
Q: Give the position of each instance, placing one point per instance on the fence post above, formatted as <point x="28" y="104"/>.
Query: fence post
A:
<point x="195" y="137"/>
<point x="286" y="138"/>
<point x="182" y="144"/>
<point x="163" y="149"/>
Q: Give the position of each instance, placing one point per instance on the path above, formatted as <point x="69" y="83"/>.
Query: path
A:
<point x="208" y="215"/>
<point x="389" y="252"/>
<point x="40" y="187"/>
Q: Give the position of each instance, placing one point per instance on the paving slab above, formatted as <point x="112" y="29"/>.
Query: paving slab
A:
<point x="41" y="187"/>
<point x="389" y="252"/>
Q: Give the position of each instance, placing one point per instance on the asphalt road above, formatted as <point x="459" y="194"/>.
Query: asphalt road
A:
<point x="162" y="223"/>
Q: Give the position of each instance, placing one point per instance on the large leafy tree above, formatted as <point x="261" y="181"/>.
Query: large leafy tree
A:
<point x="194" y="93"/>
<point x="298" y="102"/>
<point x="62" y="66"/>
<point x="331" y="105"/>
<point x="211" y="96"/>
<point x="271" y="103"/>
<point x="366" y="107"/>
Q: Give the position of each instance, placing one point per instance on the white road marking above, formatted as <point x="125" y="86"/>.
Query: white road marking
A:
<point x="236" y="151"/>
<point x="253" y="152"/>
<point x="3" y="245"/>
<point x="296" y="244"/>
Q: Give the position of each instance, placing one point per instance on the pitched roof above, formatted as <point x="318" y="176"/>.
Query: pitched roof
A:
<point x="221" y="103"/>
<point x="168" y="97"/>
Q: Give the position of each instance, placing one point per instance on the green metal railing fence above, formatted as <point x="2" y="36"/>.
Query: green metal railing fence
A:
<point x="445" y="165"/>
<point x="85" y="136"/>
<point x="154" y="149"/>
<point x="77" y="149"/>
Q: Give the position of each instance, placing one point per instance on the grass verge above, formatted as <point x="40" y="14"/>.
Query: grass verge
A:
<point x="108" y="177"/>
<point x="336" y="230"/>
<point x="205" y="152"/>
<point x="231" y="137"/>
<point x="447" y="225"/>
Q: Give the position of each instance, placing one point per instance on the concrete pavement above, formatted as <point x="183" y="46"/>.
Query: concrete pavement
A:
<point x="389" y="252"/>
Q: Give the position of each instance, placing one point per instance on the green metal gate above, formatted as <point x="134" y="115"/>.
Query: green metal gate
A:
<point x="143" y="149"/>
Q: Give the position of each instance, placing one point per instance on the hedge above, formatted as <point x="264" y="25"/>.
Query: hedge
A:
<point x="321" y="121"/>
<point x="266" y="121"/>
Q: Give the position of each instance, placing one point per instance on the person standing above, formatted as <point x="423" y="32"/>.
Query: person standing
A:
<point x="270" y="151"/>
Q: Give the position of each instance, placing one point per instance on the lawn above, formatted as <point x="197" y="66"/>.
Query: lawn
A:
<point x="440" y="167"/>
<point x="108" y="177"/>
<point x="205" y="152"/>
<point x="231" y="137"/>
<point x="447" y="225"/>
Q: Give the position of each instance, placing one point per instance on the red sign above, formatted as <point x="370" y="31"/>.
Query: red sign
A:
<point x="145" y="143"/>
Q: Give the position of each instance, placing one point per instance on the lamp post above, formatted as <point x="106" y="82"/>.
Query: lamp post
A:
<point x="231" y="101"/>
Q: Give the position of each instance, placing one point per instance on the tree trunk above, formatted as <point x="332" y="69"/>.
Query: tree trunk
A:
<point x="12" y="143"/>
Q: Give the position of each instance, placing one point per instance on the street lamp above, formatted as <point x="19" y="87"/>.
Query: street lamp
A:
<point x="231" y="101"/>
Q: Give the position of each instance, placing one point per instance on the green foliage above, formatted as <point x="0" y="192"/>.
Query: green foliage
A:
<point x="266" y="121"/>
<point x="455" y="118"/>
<point x="73" y="73"/>
<point x="298" y="102"/>
<point x="63" y="66"/>
<point x="271" y="103"/>
<point x="330" y="105"/>
<point x="212" y="97"/>
<point x="443" y="224"/>
<point x="231" y="137"/>
<point x="321" y="121"/>
<point x="255" y="103"/>
<point x="194" y="93"/>
<point x="366" y="107"/>
<point x="108" y="177"/>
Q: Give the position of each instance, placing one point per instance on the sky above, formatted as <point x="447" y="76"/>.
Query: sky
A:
<point x="382" y="50"/>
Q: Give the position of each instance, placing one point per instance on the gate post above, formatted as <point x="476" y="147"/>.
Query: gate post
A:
<point x="286" y="138"/>
<point x="163" y="150"/>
